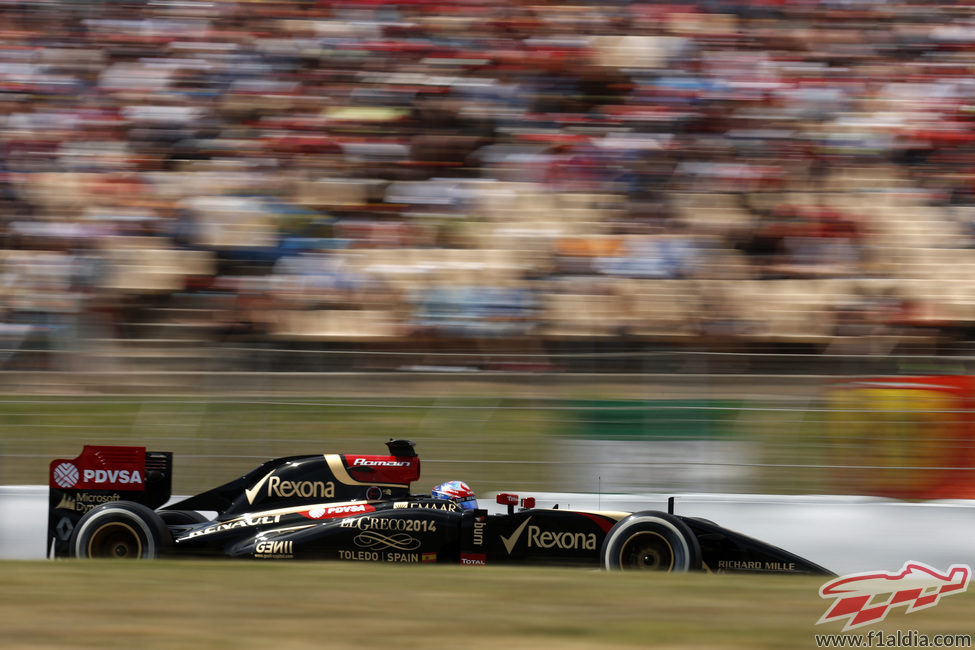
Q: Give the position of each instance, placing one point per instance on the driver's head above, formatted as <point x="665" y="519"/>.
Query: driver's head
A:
<point x="458" y="492"/>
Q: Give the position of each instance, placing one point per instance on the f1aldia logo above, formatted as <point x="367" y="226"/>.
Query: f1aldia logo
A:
<point x="866" y="598"/>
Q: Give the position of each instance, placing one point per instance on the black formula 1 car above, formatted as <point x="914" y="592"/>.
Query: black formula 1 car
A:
<point x="111" y="502"/>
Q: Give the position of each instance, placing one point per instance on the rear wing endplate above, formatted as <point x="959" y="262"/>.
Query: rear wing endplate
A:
<point x="102" y="474"/>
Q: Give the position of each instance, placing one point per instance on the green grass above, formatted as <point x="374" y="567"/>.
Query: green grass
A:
<point x="230" y="604"/>
<point x="214" y="440"/>
<point x="495" y="443"/>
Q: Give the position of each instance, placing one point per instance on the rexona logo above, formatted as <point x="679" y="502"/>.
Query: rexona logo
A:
<point x="307" y="489"/>
<point x="538" y="538"/>
<point x="278" y="487"/>
<point x="365" y="462"/>
<point x="564" y="540"/>
<point x="866" y="598"/>
<point x="511" y="540"/>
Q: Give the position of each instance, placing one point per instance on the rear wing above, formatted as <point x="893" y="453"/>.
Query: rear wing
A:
<point x="102" y="474"/>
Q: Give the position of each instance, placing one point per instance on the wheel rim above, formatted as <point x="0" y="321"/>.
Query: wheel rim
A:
<point x="115" y="540"/>
<point x="647" y="551"/>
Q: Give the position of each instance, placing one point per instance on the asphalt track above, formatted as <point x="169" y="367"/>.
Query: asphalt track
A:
<point x="843" y="533"/>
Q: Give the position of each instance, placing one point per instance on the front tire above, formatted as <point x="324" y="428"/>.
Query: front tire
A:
<point x="120" y="530"/>
<point x="651" y="541"/>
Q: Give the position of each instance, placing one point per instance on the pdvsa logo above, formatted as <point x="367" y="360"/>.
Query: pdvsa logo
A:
<point x="916" y="586"/>
<point x="112" y="476"/>
<point x="332" y="512"/>
<point x="65" y="475"/>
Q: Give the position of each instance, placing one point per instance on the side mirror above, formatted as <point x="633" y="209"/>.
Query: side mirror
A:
<point x="510" y="500"/>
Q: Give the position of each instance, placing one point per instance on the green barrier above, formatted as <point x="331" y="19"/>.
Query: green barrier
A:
<point x="653" y="419"/>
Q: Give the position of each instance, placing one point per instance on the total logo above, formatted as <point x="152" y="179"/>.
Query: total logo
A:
<point x="66" y="475"/>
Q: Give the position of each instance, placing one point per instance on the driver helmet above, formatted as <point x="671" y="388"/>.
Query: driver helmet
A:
<point x="458" y="492"/>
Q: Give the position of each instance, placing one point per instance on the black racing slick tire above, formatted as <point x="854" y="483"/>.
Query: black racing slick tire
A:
<point x="651" y="541"/>
<point x="120" y="530"/>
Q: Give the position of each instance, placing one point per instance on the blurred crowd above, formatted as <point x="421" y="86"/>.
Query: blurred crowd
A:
<point x="710" y="173"/>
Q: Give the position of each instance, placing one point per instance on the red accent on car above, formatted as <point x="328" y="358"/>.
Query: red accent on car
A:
<point x="473" y="558"/>
<point x="506" y="499"/>
<point x="603" y="522"/>
<point x="101" y="468"/>
<point x="337" y="512"/>
<point x="401" y="470"/>
<point x="528" y="502"/>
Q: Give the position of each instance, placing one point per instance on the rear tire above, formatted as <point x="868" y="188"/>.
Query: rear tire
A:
<point x="651" y="541"/>
<point x="120" y="530"/>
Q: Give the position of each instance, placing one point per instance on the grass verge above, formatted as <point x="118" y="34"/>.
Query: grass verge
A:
<point x="229" y="604"/>
<point x="485" y="441"/>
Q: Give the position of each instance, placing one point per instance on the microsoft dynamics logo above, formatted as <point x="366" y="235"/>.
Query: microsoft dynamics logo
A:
<point x="866" y="598"/>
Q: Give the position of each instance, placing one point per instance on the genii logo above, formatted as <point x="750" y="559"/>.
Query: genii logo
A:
<point x="916" y="586"/>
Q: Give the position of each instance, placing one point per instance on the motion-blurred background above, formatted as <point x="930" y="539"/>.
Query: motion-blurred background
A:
<point x="595" y="246"/>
